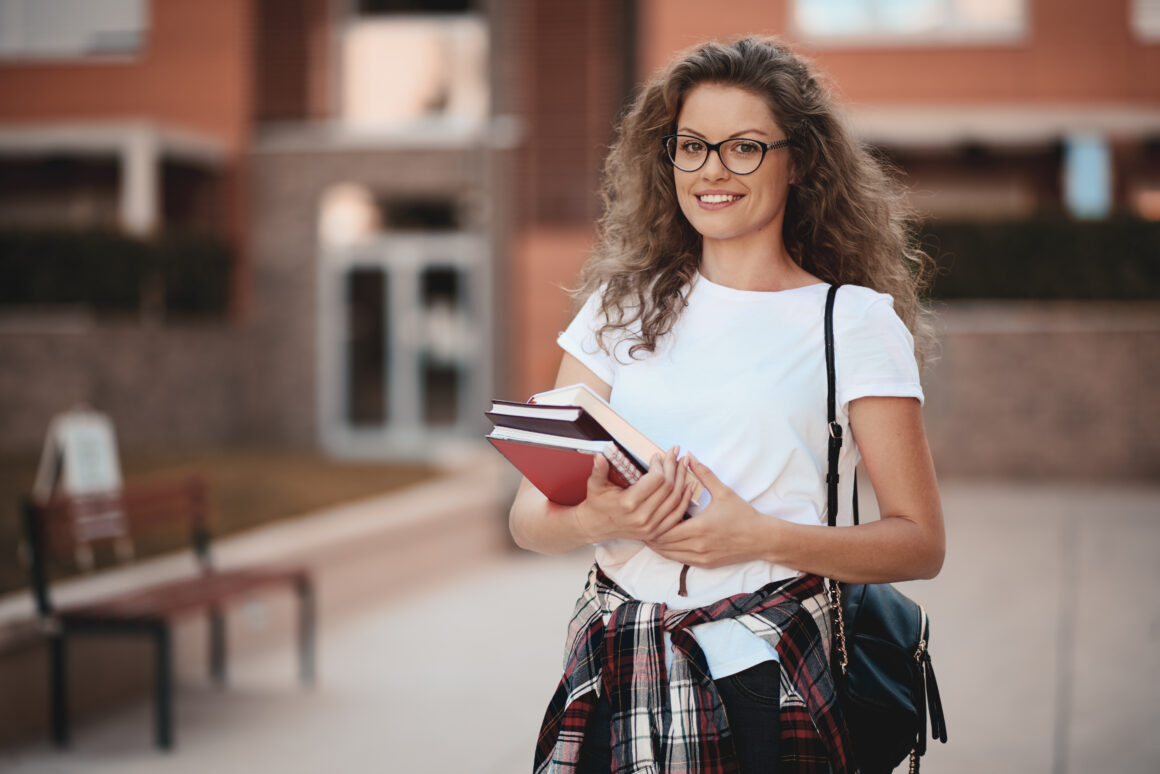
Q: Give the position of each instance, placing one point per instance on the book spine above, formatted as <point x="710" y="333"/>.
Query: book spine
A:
<point x="622" y="465"/>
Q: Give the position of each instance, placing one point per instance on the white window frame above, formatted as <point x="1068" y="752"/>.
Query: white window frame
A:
<point x="1145" y="20"/>
<point x="948" y="34"/>
<point x="73" y="29"/>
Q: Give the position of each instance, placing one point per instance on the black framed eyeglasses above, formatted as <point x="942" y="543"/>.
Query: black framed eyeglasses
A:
<point x="740" y="155"/>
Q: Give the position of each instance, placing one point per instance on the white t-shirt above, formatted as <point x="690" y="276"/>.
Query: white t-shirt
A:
<point x="741" y="383"/>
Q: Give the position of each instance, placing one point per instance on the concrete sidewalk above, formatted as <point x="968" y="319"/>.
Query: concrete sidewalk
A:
<point x="1045" y="634"/>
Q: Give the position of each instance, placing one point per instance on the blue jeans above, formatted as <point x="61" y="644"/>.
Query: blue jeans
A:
<point x="751" y="704"/>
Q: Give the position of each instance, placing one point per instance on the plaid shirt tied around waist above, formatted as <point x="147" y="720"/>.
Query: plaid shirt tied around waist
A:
<point x="675" y="723"/>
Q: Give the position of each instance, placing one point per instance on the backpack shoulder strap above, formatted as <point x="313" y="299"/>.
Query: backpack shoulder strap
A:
<point x="835" y="429"/>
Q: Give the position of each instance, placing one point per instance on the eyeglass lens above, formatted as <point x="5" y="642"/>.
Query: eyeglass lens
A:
<point x="740" y="156"/>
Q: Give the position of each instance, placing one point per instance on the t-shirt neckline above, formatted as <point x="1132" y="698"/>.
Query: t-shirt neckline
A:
<point x="701" y="280"/>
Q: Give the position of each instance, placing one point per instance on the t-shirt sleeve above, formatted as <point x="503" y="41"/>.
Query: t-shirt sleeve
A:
<point x="875" y="352"/>
<point x="579" y="340"/>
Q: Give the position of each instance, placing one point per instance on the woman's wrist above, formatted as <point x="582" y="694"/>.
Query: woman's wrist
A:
<point x="772" y="539"/>
<point x="585" y="522"/>
<point x="579" y="519"/>
<point x="538" y="524"/>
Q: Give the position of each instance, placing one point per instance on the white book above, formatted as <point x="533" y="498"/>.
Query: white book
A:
<point x="633" y="440"/>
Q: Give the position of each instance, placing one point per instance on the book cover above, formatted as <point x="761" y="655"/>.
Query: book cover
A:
<point x="561" y="471"/>
<point x="566" y="421"/>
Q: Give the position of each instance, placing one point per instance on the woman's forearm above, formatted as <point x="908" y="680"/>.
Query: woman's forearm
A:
<point x="903" y="545"/>
<point x="537" y="524"/>
<point x="889" y="550"/>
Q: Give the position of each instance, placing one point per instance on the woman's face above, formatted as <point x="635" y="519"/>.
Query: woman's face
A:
<point x="720" y="204"/>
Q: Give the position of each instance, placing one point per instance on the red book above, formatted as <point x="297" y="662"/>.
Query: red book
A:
<point x="561" y="471"/>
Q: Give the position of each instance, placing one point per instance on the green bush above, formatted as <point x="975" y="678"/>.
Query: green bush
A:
<point x="109" y="272"/>
<point x="1045" y="259"/>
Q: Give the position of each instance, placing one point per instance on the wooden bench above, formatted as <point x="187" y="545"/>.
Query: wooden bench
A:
<point x="72" y="528"/>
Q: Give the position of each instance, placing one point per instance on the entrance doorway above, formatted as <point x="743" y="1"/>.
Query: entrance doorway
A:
<point x="404" y="344"/>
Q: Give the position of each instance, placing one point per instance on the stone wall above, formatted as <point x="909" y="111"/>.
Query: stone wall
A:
<point x="174" y="385"/>
<point x="1017" y="390"/>
<point x="1046" y="390"/>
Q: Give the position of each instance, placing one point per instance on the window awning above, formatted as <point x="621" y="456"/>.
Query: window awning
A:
<point x="140" y="146"/>
<point x="934" y="127"/>
<point x="109" y="138"/>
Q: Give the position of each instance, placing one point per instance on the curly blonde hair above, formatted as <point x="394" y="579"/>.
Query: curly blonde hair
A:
<point x="845" y="221"/>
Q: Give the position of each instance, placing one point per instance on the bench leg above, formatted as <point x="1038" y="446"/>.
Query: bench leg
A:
<point x="163" y="687"/>
<point x="306" y="631"/>
<point x="58" y="689"/>
<point x="217" y="645"/>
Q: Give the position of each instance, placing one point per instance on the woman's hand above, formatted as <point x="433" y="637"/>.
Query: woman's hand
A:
<point x="905" y="543"/>
<point x="644" y="511"/>
<point x="729" y="530"/>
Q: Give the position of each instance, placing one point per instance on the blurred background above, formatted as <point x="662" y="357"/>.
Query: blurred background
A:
<point x="299" y="245"/>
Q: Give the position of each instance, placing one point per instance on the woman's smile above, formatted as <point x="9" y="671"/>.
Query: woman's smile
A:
<point x="717" y="200"/>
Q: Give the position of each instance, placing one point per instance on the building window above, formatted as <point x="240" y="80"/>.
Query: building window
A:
<point x="420" y="215"/>
<point x="1087" y="176"/>
<point x="1146" y="19"/>
<point x="406" y="69"/>
<point x="910" y="21"/>
<point x="374" y="7"/>
<point x="72" y="28"/>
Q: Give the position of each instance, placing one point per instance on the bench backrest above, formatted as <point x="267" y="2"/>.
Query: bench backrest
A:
<point x="67" y="531"/>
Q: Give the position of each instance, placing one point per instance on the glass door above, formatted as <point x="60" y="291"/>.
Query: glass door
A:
<point x="404" y="335"/>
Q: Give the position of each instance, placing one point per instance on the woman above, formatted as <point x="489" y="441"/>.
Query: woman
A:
<point x="734" y="198"/>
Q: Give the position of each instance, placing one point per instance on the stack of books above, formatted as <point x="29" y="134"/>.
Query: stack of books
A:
<point x="552" y="438"/>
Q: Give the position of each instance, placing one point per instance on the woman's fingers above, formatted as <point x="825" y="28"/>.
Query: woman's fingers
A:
<point x="643" y="500"/>
<point x="651" y="506"/>
<point x="665" y="471"/>
<point x="706" y="476"/>
<point x="599" y="475"/>
<point x="678" y="494"/>
<point x="639" y="493"/>
<point x="673" y="501"/>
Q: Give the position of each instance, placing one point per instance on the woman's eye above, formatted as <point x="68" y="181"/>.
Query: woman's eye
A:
<point x="693" y="146"/>
<point x="746" y="147"/>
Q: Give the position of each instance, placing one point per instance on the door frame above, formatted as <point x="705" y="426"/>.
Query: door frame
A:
<point x="403" y="258"/>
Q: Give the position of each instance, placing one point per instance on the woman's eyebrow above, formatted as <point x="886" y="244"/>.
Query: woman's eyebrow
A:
<point x="742" y="133"/>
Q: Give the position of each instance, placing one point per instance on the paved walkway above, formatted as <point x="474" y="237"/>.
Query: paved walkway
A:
<point x="443" y="683"/>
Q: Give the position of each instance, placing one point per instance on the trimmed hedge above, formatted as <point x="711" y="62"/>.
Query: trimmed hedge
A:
<point x="1045" y="259"/>
<point x="109" y="272"/>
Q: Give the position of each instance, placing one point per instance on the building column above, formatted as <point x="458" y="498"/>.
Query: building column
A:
<point x="140" y="183"/>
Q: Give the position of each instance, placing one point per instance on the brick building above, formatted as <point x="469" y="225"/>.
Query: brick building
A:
<point x="407" y="186"/>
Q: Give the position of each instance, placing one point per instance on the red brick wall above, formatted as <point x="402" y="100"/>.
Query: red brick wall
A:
<point x="194" y="72"/>
<point x="1074" y="50"/>
<point x="291" y="60"/>
<point x="572" y="61"/>
<point x="570" y="64"/>
<point x="548" y="261"/>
